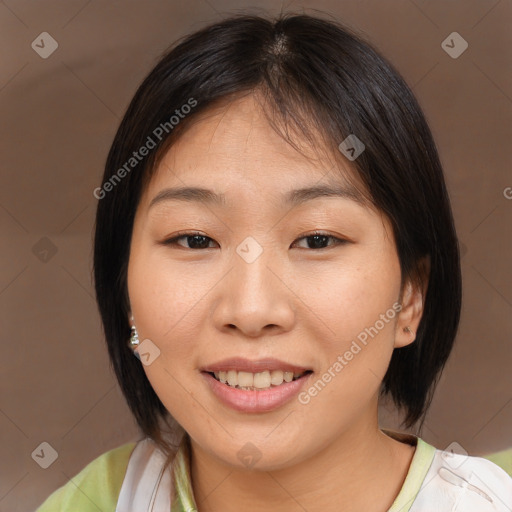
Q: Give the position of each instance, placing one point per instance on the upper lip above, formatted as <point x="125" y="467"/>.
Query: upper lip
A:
<point x="256" y="366"/>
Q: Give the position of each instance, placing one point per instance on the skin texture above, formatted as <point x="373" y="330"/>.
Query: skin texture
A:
<point x="295" y="302"/>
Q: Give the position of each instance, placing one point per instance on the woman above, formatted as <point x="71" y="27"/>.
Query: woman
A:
<point x="275" y="238"/>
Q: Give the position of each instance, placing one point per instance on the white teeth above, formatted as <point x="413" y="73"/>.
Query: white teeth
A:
<point x="232" y="378"/>
<point x="276" y="377"/>
<point x="245" y="379"/>
<point x="251" y="381"/>
<point x="262" y="380"/>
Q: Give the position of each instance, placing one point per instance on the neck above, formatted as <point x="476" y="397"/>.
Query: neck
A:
<point x="362" y="469"/>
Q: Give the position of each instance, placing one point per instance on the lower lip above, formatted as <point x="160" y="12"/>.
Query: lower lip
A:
<point x="255" y="401"/>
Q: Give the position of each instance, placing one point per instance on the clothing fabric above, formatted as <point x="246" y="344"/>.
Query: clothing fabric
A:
<point x="136" y="478"/>
<point x="503" y="459"/>
<point x="96" y="487"/>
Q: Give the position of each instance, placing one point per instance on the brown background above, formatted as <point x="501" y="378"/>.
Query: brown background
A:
<point x="58" y="118"/>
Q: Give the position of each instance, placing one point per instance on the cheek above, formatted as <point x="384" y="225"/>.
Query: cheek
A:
<point x="162" y="296"/>
<point x="166" y="306"/>
<point x="359" y="311"/>
<point x="162" y="302"/>
<point x="352" y="297"/>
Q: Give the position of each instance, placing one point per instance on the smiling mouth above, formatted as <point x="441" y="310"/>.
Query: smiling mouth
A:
<point x="257" y="381"/>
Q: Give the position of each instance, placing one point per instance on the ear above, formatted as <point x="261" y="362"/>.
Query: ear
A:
<point x="413" y="301"/>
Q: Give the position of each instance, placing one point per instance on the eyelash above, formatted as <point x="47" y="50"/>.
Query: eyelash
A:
<point x="173" y="241"/>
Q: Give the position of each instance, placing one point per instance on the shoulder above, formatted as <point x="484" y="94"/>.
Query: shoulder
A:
<point x="502" y="459"/>
<point x="463" y="482"/>
<point x="96" y="487"/>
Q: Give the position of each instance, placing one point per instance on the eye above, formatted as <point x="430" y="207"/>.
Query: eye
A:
<point x="195" y="240"/>
<point x="199" y="241"/>
<point x="317" y="239"/>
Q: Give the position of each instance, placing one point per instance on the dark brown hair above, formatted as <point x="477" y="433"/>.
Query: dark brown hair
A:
<point x="316" y="75"/>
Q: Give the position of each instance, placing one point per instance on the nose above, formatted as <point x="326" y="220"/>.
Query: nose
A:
<point x="255" y="297"/>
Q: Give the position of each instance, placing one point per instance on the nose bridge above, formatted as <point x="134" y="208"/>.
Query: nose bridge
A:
<point x="253" y="296"/>
<point x="251" y="263"/>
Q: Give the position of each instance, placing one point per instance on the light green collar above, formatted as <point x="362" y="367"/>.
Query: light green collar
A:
<point x="183" y="498"/>
<point x="420" y="464"/>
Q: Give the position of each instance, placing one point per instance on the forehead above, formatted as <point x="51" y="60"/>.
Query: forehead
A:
<point x="234" y="149"/>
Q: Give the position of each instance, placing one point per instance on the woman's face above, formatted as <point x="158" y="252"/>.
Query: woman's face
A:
<point x="256" y="287"/>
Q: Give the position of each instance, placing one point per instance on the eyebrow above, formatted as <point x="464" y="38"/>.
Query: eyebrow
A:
<point x="293" y="197"/>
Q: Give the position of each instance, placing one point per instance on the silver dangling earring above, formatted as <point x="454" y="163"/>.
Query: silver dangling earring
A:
<point x="134" y="338"/>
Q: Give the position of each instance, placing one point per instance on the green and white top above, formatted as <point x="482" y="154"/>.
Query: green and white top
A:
<point x="134" y="478"/>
